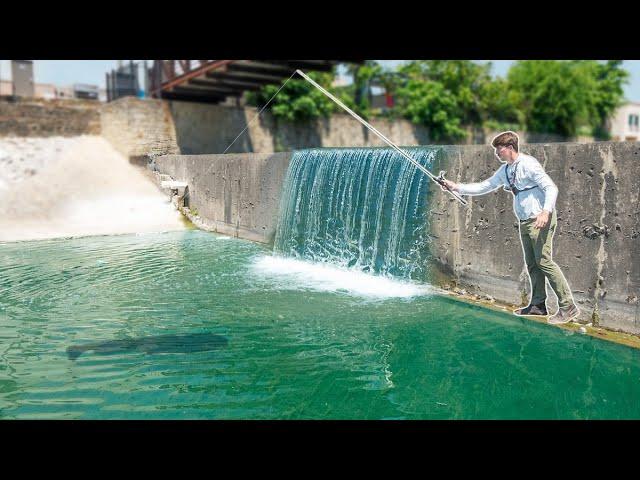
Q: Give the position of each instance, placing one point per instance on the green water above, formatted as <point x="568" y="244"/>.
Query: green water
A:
<point x="182" y="325"/>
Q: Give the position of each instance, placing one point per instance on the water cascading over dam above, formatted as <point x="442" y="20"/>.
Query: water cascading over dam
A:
<point x="360" y="208"/>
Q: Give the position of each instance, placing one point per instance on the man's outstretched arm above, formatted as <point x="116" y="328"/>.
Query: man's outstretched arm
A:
<point x="479" y="188"/>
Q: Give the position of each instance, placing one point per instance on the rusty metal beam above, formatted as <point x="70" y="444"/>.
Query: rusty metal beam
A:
<point x="184" y="91"/>
<point x="192" y="98"/>
<point x="204" y="68"/>
<point x="317" y="65"/>
<point x="263" y="64"/>
<point x="226" y="83"/>
<point x="204" y="89"/>
<point x="221" y="78"/>
<point x="248" y="76"/>
<point x="262" y="68"/>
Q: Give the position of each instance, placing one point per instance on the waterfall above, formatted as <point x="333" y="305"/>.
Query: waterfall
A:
<point x="362" y="208"/>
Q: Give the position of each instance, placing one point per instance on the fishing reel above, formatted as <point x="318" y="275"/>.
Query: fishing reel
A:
<point x="441" y="179"/>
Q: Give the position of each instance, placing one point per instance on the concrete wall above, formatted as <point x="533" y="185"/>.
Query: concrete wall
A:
<point x="151" y="127"/>
<point x="139" y="127"/>
<point x="206" y="128"/>
<point x="47" y="118"/>
<point x="234" y="194"/>
<point x="209" y="129"/>
<point x="597" y="241"/>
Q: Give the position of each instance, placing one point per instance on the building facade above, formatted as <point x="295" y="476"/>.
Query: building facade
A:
<point x="45" y="90"/>
<point x="625" y="123"/>
<point x="22" y="76"/>
<point x="6" y="87"/>
<point x="53" y="92"/>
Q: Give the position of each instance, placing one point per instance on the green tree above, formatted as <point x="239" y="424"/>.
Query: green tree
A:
<point x="364" y="76"/>
<point x="444" y="95"/>
<point x="465" y="79"/>
<point x="391" y="81"/>
<point x="432" y="105"/>
<point x="498" y="108"/>
<point x="610" y="81"/>
<point x="563" y="96"/>
<point x="299" y="100"/>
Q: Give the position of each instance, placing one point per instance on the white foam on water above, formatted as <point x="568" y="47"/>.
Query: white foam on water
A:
<point x="293" y="274"/>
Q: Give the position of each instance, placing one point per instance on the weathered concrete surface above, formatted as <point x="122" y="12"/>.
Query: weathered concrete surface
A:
<point x="49" y="118"/>
<point x="209" y="129"/>
<point x="236" y="194"/>
<point x="138" y="127"/>
<point x="596" y="242"/>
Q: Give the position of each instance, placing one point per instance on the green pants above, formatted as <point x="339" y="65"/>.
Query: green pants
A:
<point x="537" y="247"/>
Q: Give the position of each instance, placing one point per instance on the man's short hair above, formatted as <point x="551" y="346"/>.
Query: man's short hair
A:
<point x="505" y="139"/>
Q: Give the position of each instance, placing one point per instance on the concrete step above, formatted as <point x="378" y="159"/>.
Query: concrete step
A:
<point x="173" y="184"/>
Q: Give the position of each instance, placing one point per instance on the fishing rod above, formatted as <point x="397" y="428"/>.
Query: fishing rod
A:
<point x="439" y="179"/>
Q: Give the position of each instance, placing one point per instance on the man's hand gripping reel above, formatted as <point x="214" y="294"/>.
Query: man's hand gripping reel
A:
<point x="440" y="179"/>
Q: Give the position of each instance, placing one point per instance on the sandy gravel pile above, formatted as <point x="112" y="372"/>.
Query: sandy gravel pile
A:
<point x="62" y="187"/>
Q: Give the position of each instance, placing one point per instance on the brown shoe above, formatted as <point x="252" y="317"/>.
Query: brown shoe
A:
<point x="564" y="315"/>
<point x="540" y="309"/>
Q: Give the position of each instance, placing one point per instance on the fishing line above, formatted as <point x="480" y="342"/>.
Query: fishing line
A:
<point x="186" y="195"/>
<point x="439" y="179"/>
<point x="261" y="110"/>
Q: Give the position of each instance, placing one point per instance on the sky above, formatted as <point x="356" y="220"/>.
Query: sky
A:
<point x="68" y="72"/>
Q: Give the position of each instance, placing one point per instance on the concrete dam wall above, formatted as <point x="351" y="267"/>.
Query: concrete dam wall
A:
<point x="596" y="242"/>
<point x="137" y="127"/>
<point x="235" y="194"/>
<point x="34" y="117"/>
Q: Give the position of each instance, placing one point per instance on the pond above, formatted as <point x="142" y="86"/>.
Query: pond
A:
<point x="194" y="325"/>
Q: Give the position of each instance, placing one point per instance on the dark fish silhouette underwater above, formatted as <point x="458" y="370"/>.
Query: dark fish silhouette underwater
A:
<point x="199" y="342"/>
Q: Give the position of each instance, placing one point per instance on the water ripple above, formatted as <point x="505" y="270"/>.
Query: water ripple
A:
<point x="183" y="325"/>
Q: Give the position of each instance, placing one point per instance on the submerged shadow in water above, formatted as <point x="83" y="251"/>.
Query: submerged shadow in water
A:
<point x="199" y="342"/>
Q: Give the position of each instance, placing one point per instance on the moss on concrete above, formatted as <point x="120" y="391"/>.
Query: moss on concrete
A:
<point x="593" y="330"/>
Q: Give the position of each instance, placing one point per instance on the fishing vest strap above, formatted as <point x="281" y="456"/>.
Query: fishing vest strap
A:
<point x="512" y="188"/>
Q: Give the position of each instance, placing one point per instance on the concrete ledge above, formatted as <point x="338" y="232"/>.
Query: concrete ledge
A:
<point x="234" y="194"/>
<point x="173" y="184"/>
<point x="597" y="241"/>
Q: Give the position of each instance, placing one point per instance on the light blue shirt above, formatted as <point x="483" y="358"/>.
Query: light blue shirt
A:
<point x="528" y="173"/>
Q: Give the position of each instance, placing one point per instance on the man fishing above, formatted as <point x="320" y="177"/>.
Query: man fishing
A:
<point x="534" y="198"/>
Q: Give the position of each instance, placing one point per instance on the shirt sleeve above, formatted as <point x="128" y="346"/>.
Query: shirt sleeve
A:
<point x="537" y="175"/>
<point x="486" y="186"/>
